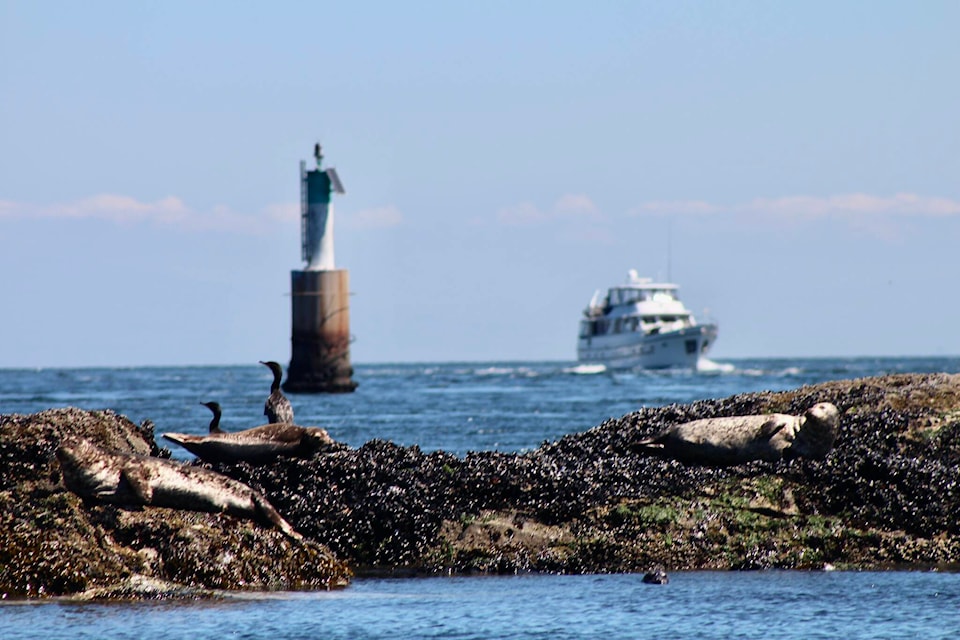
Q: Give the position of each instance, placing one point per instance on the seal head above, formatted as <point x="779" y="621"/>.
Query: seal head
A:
<point x="816" y="433"/>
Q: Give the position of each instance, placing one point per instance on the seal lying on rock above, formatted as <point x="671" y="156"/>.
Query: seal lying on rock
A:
<point x="739" y="439"/>
<point x="125" y="478"/>
<point x="254" y="445"/>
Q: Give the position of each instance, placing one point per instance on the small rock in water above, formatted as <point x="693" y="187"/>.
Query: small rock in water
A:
<point x="657" y="575"/>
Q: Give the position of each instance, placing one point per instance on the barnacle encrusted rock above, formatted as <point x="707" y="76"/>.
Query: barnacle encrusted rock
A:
<point x="887" y="495"/>
<point x="53" y="543"/>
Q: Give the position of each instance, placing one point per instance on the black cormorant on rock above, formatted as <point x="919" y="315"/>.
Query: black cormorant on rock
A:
<point x="215" y="423"/>
<point x="277" y="408"/>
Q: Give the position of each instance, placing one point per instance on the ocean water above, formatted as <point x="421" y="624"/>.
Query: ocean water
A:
<point x="456" y="407"/>
<point x="763" y="605"/>
<point x="460" y="407"/>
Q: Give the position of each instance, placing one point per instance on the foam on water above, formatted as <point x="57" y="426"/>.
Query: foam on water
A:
<point x="705" y="365"/>
<point x="586" y="369"/>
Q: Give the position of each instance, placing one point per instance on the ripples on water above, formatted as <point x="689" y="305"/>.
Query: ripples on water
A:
<point x="479" y="406"/>
<point x="456" y="407"/>
<point x="766" y="605"/>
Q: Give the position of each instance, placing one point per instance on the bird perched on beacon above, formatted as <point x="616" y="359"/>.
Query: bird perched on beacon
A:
<point x="277" y="408"/>
<point x="215" y="423"/>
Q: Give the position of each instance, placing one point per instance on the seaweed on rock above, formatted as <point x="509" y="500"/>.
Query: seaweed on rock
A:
<point x="887" y="495"/>
<point x="888" y="484"/>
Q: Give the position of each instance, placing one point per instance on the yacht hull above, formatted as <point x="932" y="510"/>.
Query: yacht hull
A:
<point x="681" y="349"/>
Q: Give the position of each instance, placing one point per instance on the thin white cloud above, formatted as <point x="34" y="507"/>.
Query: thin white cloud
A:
<point x="170" y="211"/>
<point x="223" y="218"/>
<point x="283" y="211"/>
<point x="675" y="207"/>
<point x="900" y="204"/>
<point x="568" y="206"/>
<point x="107" y="206"/>
<point x="376" y="218"/>
<point x="576" y="204"/>
<point x="522" y="214"/>
<point x="117" y="208"/>
<point x="8" y="209"/>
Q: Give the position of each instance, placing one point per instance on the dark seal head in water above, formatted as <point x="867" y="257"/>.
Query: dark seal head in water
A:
<point x="739" y="439"/>
<point x="129" y="479"/>
<point x="657" y="575"/>
<point x="277" y="408"/>
<point x="259" y="444"/>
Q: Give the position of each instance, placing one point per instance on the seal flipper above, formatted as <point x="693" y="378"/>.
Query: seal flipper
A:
<point x="771" y="427"/>
<point x="139" y="482"/>
<point x="270" y="514"/>
<point x="653" y="445"/>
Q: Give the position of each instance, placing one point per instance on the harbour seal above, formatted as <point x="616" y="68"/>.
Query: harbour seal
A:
<point x="277" y="408"/>
<point x="739" y="439"/>
<point x="657" y="575"/>
<point x="258" y="444"/>
<point x="125" y="478"/>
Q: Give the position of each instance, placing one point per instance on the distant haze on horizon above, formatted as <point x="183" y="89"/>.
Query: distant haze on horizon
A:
<point x="502" y="161"/>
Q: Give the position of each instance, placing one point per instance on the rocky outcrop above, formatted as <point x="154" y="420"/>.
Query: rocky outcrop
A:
<point x="887" y="495"/>
<point x="53" y="543"/>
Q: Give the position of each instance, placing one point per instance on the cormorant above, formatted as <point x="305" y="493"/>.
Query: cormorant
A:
<point x="215" y="423"/>
<point x="277" y="408"/>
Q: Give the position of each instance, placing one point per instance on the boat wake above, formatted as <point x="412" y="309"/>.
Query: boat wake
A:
<point x="586" y="369"/>
<point x="709" y="366"/>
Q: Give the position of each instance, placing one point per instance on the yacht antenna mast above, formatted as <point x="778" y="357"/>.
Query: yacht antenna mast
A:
<point x="669" y="248"/>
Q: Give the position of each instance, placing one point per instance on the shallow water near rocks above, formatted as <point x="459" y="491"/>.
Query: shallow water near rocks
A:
<point x="768" y="605"/>
<point x="460" y="407"/>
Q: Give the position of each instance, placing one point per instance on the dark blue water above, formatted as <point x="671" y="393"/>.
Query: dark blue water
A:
<point x="455" y="407"/>
<point x="478" y="406"/>
<point x="763" y="605"/>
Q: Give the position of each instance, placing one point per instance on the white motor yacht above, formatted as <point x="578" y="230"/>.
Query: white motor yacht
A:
<point x="642" y="324"/>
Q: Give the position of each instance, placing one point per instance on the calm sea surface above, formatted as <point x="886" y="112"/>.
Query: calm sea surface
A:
<point x="459" y="407"/>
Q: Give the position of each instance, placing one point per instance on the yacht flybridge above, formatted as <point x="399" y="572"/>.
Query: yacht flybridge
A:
<point x="642" y="324"/>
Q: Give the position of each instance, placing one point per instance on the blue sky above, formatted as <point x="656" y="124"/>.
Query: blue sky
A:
<point x="502" y="161"/>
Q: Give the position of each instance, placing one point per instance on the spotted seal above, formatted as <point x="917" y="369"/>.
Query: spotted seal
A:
<point x="739" y="439"/>
<point x="125" y="478"/>
<point x="258" y="444"/>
